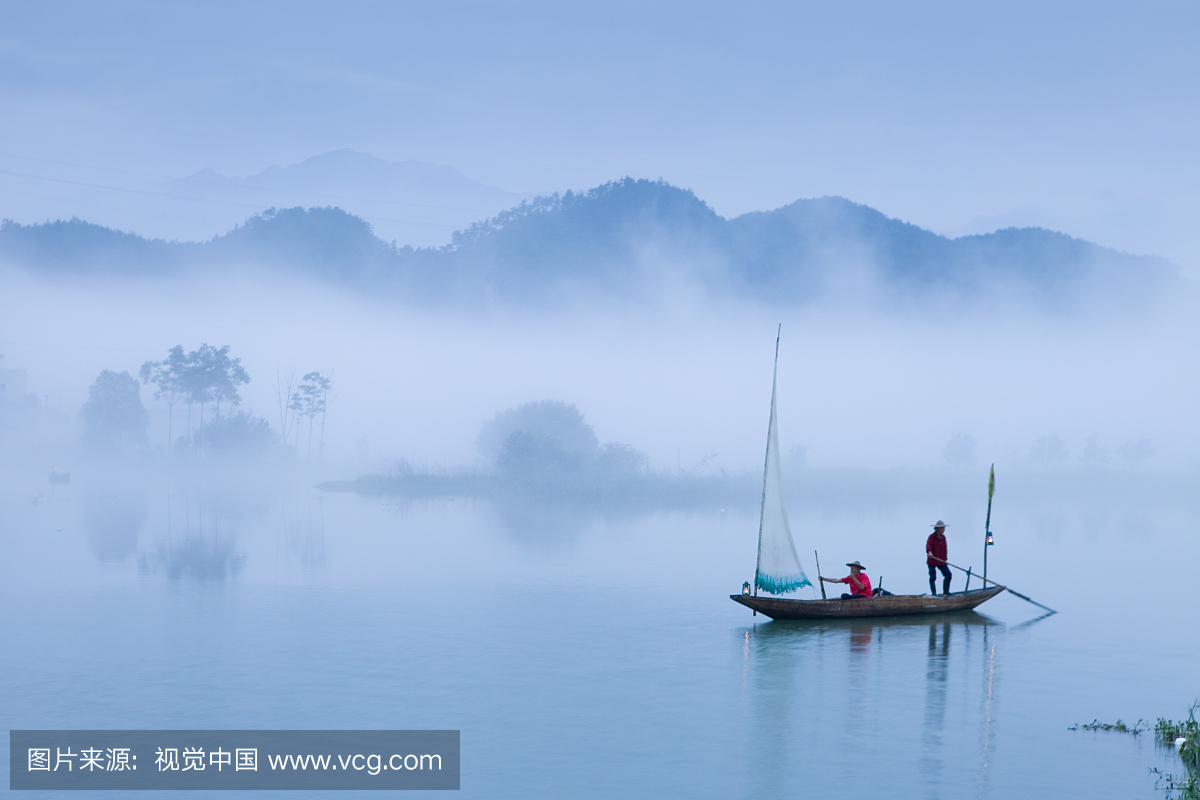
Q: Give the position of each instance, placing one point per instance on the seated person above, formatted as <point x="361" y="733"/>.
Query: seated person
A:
<point x="860" y="584"/>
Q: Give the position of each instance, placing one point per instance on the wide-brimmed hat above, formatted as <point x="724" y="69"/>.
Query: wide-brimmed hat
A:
<point x="855" y="564"/>
<point x="939" y="524"/>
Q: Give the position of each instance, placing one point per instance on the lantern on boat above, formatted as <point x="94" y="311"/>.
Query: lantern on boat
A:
<point x="746" y="588"/>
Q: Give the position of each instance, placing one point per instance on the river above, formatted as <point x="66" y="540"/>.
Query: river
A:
<point x="593" y="655"/>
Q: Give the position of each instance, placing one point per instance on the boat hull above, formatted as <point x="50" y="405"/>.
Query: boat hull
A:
<point x="884" y="606"/>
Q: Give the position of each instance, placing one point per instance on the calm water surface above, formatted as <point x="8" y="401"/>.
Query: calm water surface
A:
<point x="584" y="657"/>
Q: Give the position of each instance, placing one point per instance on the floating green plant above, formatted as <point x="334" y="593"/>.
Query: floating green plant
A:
<point x="1169" y="733"/>
<point x="1141" y="726"/>
<point x="1181" y="737"/>
<point x="1184" y="737"/>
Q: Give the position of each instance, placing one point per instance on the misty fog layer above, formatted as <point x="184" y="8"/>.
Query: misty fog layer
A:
<point x="677" y="381"/>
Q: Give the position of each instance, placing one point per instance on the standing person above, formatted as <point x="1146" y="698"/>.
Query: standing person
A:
<point x="935" y="558"/>
<point x="860" y="584"/>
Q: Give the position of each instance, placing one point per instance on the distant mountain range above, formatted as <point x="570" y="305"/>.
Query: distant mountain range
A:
<point x="627" y="239"/>
<point x="412" y="202"/>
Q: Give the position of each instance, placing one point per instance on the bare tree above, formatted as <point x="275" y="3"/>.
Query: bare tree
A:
<point x="297" y="405"/>
<point x="325" y="400"/>
<point x="314" y="394"/>
<point x="283" y="395"/>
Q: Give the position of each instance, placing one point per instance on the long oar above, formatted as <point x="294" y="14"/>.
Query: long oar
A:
<point x="986" y="581"/>
<point x="823" y="597"/>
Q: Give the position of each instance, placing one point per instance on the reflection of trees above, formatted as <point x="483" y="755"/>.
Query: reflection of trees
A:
<point x="112" y="525"/>
<point x="195" y="559"/>
<point x="553" y="506"/>
<point x="542" y="524"/>
<point x="543" y="493"/>
<point x="303" y="532"/>
<point x="559" y="522"/>
<point x="192" y="552"/>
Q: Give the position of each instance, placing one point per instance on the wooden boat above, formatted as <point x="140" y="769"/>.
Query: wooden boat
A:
<point x="778" y="569"/>
<point x="882" y="606"/>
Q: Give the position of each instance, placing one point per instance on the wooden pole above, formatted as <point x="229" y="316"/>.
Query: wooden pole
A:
<point x="818" y="560"/>
<point x="986" y="581"/>
<point x="987" y="525"/>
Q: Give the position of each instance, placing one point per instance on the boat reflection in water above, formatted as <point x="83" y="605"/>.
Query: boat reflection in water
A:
<point x="869" y="684"/>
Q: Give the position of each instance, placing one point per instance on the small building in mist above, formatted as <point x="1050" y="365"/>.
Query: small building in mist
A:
<point x="12" y="385"/>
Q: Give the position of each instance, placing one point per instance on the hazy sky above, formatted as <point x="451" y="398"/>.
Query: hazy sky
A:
<point x="1082" y="117"/>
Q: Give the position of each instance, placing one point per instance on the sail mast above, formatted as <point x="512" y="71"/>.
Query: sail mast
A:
<point x="762" y="509"/>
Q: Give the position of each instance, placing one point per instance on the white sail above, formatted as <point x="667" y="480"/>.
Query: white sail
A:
<point x="778" y="569"/>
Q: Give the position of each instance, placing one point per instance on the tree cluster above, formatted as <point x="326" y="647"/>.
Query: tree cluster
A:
<point x="548" y="448"/>
<point x="201" y="377"/>
<point x="205" y="377"/>
<point x="113" y="416"/>
<point x="558" y="421"/>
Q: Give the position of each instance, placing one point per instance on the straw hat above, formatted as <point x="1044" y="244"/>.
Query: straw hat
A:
<point x="939" y="524"/>
<point x="855" y="564"/>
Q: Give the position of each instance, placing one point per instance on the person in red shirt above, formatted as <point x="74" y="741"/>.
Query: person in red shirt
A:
<point x="860" y="584"/>
<point x="935" y="558"/>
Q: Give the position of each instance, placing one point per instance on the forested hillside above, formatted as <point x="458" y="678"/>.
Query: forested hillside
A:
<point x="628" y="238"/>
